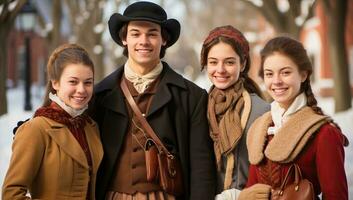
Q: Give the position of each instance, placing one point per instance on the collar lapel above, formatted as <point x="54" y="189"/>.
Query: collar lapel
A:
<point x="115" y="101"/>
<point x="286" y="145"/>
<point x="63" y="137"/>
<point x="162" y="97"/>
<point x="163" y="94"/>
<point x="256" y="138"/>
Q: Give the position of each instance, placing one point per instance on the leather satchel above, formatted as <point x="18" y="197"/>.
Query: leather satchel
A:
<point x="169" y="173"/>
<point x="301" y="189"/>
<point x="151" y="157"/>
<point x="161" y="165"/>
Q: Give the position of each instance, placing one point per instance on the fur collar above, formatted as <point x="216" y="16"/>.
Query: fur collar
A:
<point x="285" y="145"/>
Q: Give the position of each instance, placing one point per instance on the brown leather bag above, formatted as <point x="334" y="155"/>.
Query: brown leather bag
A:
<point x="301" y="189"/>
<point x="151" y="156"/>
<point x="168" y="169"/>
<point x="169" y="173"/>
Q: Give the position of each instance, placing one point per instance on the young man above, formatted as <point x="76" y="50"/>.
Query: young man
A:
<point x="173" y="106"/>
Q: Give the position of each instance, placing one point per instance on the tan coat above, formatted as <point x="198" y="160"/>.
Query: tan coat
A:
<point x="48" y="162"/>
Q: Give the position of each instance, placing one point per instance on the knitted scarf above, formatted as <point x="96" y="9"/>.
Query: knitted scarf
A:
<point x="224" y="109"/>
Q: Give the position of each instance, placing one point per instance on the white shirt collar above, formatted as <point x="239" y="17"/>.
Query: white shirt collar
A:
<point x="68" y="109"/>
<point x="280" y="115"/>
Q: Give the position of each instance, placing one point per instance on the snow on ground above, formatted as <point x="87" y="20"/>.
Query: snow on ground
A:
<point x="16" y="113"/>
<point x="8" y="122"/>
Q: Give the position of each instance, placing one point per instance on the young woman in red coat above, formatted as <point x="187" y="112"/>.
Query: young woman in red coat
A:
<point x="295" y="130"/>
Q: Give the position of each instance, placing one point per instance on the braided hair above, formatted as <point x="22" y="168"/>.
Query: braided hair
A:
<point x="297" y="53"/>
<point x="61" y="57"/>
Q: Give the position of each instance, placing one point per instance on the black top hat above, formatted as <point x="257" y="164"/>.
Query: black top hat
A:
<point x="144" y="11"/>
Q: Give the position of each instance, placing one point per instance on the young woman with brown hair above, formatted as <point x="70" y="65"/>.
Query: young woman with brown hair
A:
<point x="56" y="154"/>
<point x="295" y="130"/>
<point x="234" y="103"/>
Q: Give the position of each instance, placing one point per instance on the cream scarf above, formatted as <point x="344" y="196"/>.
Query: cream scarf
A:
<point x="280" y="115"/>
<point x="228" y="112"/>
<point x="68" y="109"/>
<point x="141" y="82"/>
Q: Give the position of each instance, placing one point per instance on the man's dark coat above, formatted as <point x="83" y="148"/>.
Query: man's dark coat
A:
<point x="178" y="116"/>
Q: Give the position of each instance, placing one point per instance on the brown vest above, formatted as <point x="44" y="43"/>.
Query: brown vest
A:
<point x="130" y="170"/>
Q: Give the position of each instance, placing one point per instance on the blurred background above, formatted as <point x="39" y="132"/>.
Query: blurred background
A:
<point x="31" y="29"/>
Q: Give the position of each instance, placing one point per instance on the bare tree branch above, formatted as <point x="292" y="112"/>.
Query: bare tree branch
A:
<point x="283" y="22"/>
<point x="311" y="10"/>
<point x="270" y="11"/>
<point x="6" y="14"/>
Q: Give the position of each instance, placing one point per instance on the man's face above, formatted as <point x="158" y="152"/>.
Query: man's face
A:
<point x="144" y="42"/>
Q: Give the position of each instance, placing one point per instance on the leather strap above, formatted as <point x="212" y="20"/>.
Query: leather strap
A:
<point x="141" y="118"/>
<point x="297" y="176"/>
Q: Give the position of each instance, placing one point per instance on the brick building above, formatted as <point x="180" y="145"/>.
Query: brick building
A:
<point x="315" y="38"/>
<point x="16" y="56"/>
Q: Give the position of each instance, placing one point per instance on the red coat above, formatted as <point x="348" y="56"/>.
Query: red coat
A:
<point x="321" y="162"/>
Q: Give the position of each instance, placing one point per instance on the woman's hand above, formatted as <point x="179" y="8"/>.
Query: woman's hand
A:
<point x="230" y="194"/>
<point x="256" y="192"/>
